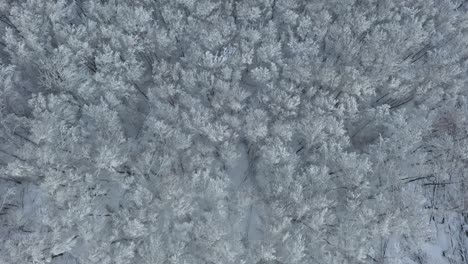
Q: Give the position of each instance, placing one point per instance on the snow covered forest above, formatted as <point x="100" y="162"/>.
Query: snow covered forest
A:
<point x="234" y="131"/>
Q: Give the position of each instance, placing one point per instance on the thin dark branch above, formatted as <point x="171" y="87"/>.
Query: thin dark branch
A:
<point x="25" y="138"/>
<point x="12" y="155"/>
<point x="409" y="55"/>
<point x="418" y="178"/>
<point x="418" y="58"/>
<point x="301" y="148"/>
<point x="141" y="92"/>
<point x="439" y="183"/>
<point x="383" y="96"/>
<point x="11" y="179"/>
<point x="8" y="22"/>
<point x="403" y="103"/>
<point x="58" y="255"/>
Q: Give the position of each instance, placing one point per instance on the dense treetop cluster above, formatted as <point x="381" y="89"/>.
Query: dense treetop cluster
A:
<point x="230" y="131"/>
